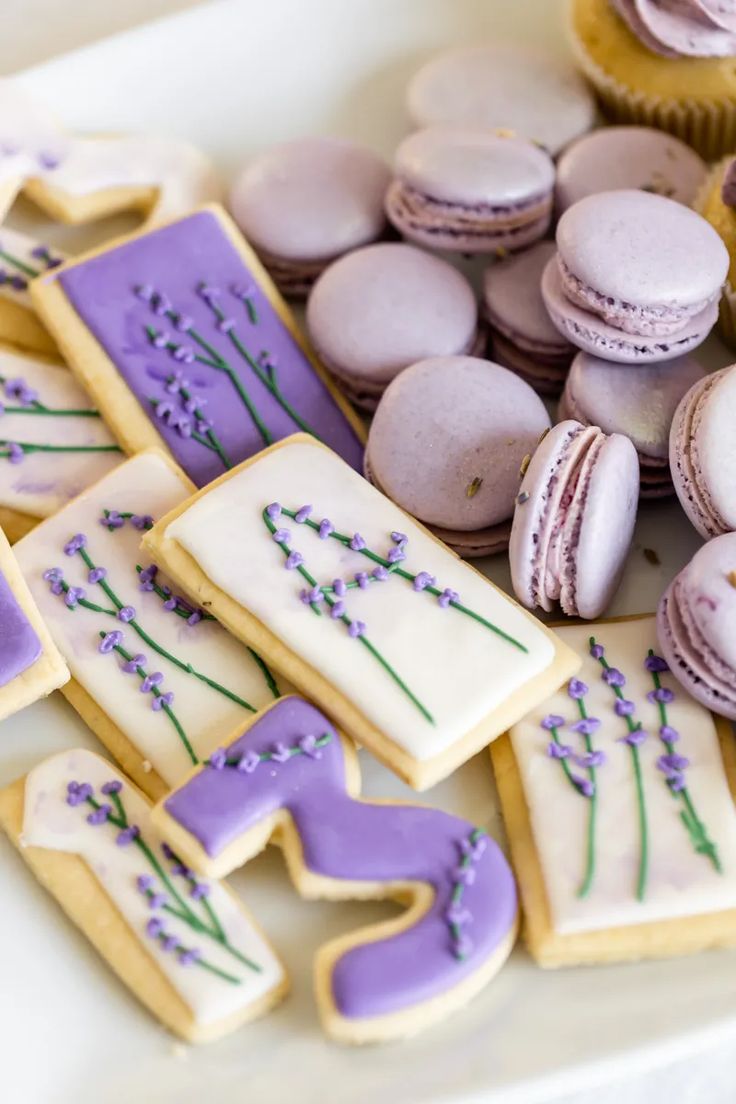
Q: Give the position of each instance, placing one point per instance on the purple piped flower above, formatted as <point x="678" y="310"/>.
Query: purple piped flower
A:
<point x="157" y="900"/>
<point x="356" y="629"/>
<point x="337" y="611"/>
<point x="656" y="665"/>
<point x="170" y="604"/>
<point x="226" y="325"/>
<point x="465" y="875"/>
<point x="154" y="927"/>
<point x="308" y="745"/>
<point x="623" y="707"/>
<point x="558" y="751"/>
<point x="100" y="815"/>
<point x="447" y="596"/>
<point x="160" y="340"/>
<point x="457" y="914"/>
<point x="591" y="759"/>
<point x="184" y="354"/>
<point x="110" y="641"/>
<point x="144" y="882"/>
<point x="274" y="510"/>
<point x="361" y="578"/>
<point x="339" y="587"/>
<point x="396" y="555"/>
<point x="112" y="519"/>
<point x="142" y="521"/>
<point x="597" y="651"/>
<point x="474" y="848"/>
<point x="576" y="689"/>
<point x="74" y="596"/>
<point x="168" y="851"/>
<point x="160" y="304"/>
<point x="19" y="390"/>
<point x="661" y="694"/>
<point x="16" y="453"/>
<point x="113" y="787"/>
<point x="672" y="762"/>
<point x="357" y="544"/>
<point x="218" y="759"/>
<point x="463" y="946"/>
<point x="552" y="720"/>
<point x="200" y="891"/>
<point x="48" y="160"/>
<point x="154" y="679"/>
<point x="175" y="382"/>
<point x="280" y="753"/>
<point x="189" y="957"/>
<point x="242" y="291"/>
<point x="313" y="596"/>
<point x="126" y="614"/>
<point x="281" y="536"/>
<point x="422" y="580"/>
<point x="18" y="282"/>
<point x="182" y="322"/>
<point x="97" y="574"/>
<point x="126" y="837"/>
<point x="584" y="785"/>
<point x="194" y="617"/>
<point x="302" y="514"/>
<point x="293" y="560"/>
<point x="634" y="739"/>
<point x="669" y="734"/>
<point x="146" y="577"/>
<point x="161" y="700"/>
<point x="380" y="573"/>
<point x="325" y="529"/>
<point x="53" y="575"/>
<point x="613" y="677"/>
<point x="78" y="792"/>
<point x="74" y="545"/>
<point x="209" y="293"/>
<point x="249" y="761"/>
<point x="399" y="538"/>
<point x="145" y="292"/>
<point x="131" y="666"/>
<point x="587" y="726"/>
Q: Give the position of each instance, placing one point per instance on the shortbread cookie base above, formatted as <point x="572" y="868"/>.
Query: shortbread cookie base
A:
<point x="22" y="328"/>
<point x="16" y="524"/>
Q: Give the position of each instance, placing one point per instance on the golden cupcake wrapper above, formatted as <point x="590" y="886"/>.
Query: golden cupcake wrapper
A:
<point x="727" y="305"/>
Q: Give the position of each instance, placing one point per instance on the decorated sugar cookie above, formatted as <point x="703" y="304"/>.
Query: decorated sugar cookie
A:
<point x="290" y="777"/>
<point x="617" y="793"/>
<point x="154" y="676"/>
<point x="22" y="258"/>
<point x="417" y="655"/>
<point x="186" y="947"/>
<point x="53" y="443"/>
<point x="183" y="341"/>
<point x="30" y="665"/>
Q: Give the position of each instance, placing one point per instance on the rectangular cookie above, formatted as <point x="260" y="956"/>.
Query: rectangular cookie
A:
<point x="53" y="443"/>
<point x="183" y="341"/>
<point x="22" y="258"/>
<point x="30" y="665"/>
<point x="188" y="949"/>
<point x="157" y="679"/>
<point x="617" y="793"/>
<point x="413" y="652"/>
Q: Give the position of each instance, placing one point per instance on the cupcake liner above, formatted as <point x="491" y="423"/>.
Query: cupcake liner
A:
<point x="708" y="126"/>
<point x="727" y="307"/>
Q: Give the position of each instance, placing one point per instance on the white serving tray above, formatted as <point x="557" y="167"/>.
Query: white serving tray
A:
<point x="234" y="76"/>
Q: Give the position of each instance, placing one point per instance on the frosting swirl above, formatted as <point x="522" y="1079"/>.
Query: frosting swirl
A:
<point x="728" y="187"/>
<point x="682" y="28"/>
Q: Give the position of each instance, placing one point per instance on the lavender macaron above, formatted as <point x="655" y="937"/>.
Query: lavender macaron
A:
<point x="703" y="453"/>
<point x="523" y="337"/>
<point x="695" y="626"/>
<point x="574" y="520"/>
<point x="470" y="190"/>
<point x="446" y="444"/>
<point x="378" y="310"/>
<point x="535" y="94"/>
<point x="637" y="277"/>
<point x="612" y="158"/>
<point x="304" y="203"/>
<point x="640" y="404"/>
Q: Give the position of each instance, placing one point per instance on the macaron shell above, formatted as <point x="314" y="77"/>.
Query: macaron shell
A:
<point x="642" y="249"/>
<point x="713" y="449"/>
<point x="448" y="438"/>
<point x="684" y="662"/>
<point x="592" y="335"/>
<point x="472" y="546"/>
<point x="512" y="299"/>
<point x="685" y="475"/>
<point x="709" y="582"/>
<point x="545" y="374"/>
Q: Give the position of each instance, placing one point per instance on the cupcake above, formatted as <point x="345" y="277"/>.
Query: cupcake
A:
<point x="663" y="63"/>
<point x="716" y="202"/>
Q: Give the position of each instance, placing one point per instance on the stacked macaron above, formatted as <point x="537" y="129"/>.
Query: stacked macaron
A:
<point x="640" y="404"/>
<point x="637" y="277"/>
<point x="446" y="444"/>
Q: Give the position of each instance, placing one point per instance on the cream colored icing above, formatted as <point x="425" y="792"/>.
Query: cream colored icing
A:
<point x="145" y="484"/>
<point x="680" y="881"/>
<point x="49" y="822"/>
<point x="20" y="246"/>
<point x="45" y="481"/>
<point x="458" y="669"/>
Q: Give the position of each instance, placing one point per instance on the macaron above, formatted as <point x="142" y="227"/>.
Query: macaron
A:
<point x="612" y="158"/>
<point x="470" y="190"/>
<point x="446" y="443"/>
<point x="640" y="404"/>
<point x="302" y="204"/>
<point x="574" y="520"/>
<point x="535" y="94"/>
<point x="379" y="309"/>
<point x="637" y="277"/>
<point x="523" y="337"/>
<point x="703" y="453"/>
<point x="695" y="626"/>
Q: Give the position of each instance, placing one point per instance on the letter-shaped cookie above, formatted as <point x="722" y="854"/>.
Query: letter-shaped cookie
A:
<point x="291" y="777"/>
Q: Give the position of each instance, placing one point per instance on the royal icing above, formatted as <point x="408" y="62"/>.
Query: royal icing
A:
<point x="53" y="443"/>
<point x="163" y="671"/>
<point x="420" y="642"/>
<point x="196" y="931"/>
<point x="629" y="803"/>
<point x="19" y="643"/>
<point x="292" y="759"/>
<point x="22" y="258"/>
<point x="34" y="147"/>
<point x="202" y="348"/>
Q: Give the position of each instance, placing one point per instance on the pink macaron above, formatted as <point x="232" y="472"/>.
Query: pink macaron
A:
<point x="470" y="190"/>
<point x="446" y="444"/>
<point x="695" y="625"/>
<point x="574" y="520"/>
<point x="523" y="337"/>
<point x="640" y="404"/>
<point x="637" y="277"/>
<point x="304" y="203"/>
<point x="379" y="309"/>
<point x="703" y="453"/>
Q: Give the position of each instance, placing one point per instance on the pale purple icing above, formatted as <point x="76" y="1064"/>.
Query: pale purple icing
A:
<point x="19" y="644"/>
<point x="174" y="261"/>
<point x="682" y="28"/>
<point x="343" y="838"/>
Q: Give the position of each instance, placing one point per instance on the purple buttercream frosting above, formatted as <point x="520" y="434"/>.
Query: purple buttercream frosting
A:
<point x="344" y="838"/>
<point x="133" y="299"/>
<point x="19" y="644"/>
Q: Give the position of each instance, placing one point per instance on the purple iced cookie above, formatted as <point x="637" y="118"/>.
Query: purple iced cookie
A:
<point x="612" y="158"/>
<point x="382" y="308"/>
<point x="574" y="520"/>
<point x="470" y="190"/>
<point x="446" y="444"/>
<point x="639" y="404"/>
<point x="637" y="277"/>
<point x="682" y="28"/>
<point x="302" y="204"/>
<point x="703" y="453"/>
<point x="535" y="94"/>
<point x="523" y="337"/>
<point x="695" y="625"/>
